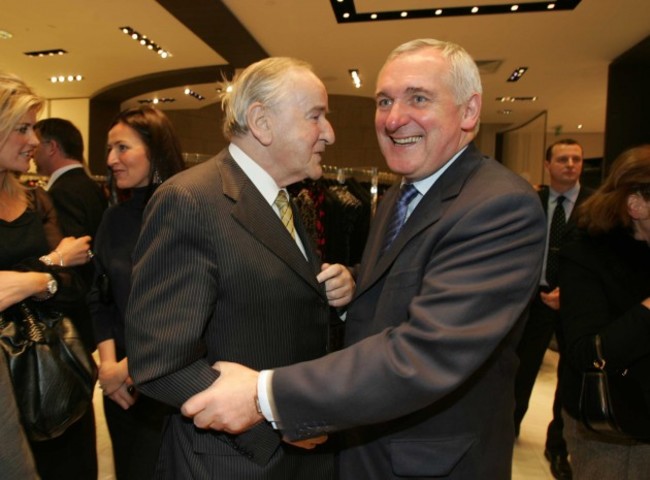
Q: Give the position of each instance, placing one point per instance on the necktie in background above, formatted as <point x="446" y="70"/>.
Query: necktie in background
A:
<point x="558" y="227"/>
<point x="286" y="215"/>
<point x="406" y="194"/>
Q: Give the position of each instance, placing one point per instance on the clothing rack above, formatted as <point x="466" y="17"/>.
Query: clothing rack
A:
<point x="363" y="174"/>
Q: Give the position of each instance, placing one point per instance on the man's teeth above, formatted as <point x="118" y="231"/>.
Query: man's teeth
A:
<point x="407" y="140"/>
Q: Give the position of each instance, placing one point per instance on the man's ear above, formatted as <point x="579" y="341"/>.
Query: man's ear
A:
<point x="259" y="123"/>
<point x="637" y="207"/>
<point x="471" y="113"/>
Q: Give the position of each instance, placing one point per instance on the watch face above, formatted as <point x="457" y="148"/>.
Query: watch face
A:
<point x="52" y="286"/>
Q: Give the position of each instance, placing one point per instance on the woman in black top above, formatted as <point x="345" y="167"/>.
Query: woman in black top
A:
<point x="605" y="285"/>
<point x="143" y="151"/>
<point x="34" y="261"/>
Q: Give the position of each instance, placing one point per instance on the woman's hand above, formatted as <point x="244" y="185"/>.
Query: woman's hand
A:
<point x="73" y="251"/>
<point x="17" y="286"/>
<point x="115" y="382"/>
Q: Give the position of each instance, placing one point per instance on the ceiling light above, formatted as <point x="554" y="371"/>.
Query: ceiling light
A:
<point x="516" y="75"/>
<point x="505" y="111"/>
<point x="5" y="35"/>
<point x="345" y="10"/>
<point x="580" y="126"/>
<point x="66" y="78"/>
<point x="156" y="101"/>
<point x="46" y="53"/>
<point x="192" y="93"/>
<point x="516" y="99"/>
<point x="356" y="80"/>
<point x="145" y="42"/>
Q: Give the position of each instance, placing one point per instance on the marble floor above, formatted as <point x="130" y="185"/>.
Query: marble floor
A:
<point x="528" y="463"/>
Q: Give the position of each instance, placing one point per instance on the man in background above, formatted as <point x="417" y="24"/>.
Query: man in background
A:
<point x="564" y="160"/>
<point x="424" y="387"/>
<point x="80" y="204"/>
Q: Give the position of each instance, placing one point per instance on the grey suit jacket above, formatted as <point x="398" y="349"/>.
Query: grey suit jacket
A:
<point x="217" y="276"/>
<point x="425" y="388"/>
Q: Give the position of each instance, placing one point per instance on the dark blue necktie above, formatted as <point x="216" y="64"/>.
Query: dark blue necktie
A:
<point x="406" y="194"/>
<point x="558" y="227"/>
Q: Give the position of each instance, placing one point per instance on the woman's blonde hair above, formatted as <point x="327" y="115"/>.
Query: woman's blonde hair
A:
<point x="16" y="100"/>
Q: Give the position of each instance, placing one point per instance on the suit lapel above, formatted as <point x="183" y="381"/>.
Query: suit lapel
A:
<point x="253" y="213"/>
<point x="428" y="211"/>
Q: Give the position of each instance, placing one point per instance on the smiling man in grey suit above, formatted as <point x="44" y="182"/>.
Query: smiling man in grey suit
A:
<point x="217" y="276"/>
<point x="425" y="387"/>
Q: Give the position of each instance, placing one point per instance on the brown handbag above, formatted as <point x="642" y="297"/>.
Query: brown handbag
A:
<point x="611" y="402"/>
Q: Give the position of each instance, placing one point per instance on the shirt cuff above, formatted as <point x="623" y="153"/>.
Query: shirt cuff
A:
<point x="265" y="398"/>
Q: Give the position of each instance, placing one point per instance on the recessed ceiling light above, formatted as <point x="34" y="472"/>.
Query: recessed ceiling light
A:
<point x="356" y="79"/>
<point x="514" y="8"/>
<point x="516" y="75"/>
<point x="156" y="101"/>
<point x="474" y="10"/>
<point x="516" y="99"/>
<point x="66" y="78"/>
<point x="46" y="53"/>
<point x="5" y="35"/>
<point x="145" y="42"/>
<point x="192" y="93"/>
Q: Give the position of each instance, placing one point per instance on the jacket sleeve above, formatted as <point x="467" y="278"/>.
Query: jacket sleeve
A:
<point x="460" y="301"/>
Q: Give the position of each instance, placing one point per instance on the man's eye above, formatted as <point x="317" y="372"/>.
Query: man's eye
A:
<point x="383" y="102"/>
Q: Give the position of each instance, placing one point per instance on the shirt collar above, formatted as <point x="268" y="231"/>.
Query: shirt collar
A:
<point x="57" y="173"/>
<point x="260" y="177"/>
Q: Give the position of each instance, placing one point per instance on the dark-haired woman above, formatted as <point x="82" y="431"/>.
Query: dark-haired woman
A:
<point x="605" y="285"/>
<point x="143" y="151"/>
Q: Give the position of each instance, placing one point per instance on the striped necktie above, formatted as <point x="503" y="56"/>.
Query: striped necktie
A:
<point x="406" y="194"/>
<point x="286" y="215"/>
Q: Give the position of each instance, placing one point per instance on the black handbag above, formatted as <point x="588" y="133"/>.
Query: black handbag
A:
<point x="612" y="403"/>
<point x="53" y="374"/>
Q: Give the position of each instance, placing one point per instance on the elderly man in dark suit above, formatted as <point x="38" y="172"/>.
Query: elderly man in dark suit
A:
<point x="425" y="387"/>
<point x="223" y="270"/>
<point x="564" y="161"/>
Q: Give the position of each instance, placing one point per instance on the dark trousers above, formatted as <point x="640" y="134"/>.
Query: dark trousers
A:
<point x="542" y="323"/>
<point x="72" y="455"/>
<point x="136" y="435"/>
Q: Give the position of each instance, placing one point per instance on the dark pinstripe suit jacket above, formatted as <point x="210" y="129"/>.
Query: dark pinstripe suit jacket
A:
<point x="217" y="277"/>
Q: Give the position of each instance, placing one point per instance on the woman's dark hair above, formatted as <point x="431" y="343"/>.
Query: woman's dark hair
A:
<point x="157" y="133"/>
<point x="606" y="209"/>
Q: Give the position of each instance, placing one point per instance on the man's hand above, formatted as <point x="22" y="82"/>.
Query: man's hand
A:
<point x="339" y="284"/>
<point x="307" y="444"/>
<point x="229" y="404"/>
<point x="552" y="298"/>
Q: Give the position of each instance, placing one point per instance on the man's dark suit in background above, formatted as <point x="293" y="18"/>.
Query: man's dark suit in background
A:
<point x="80" y="204"/>
<point x="564" y="160"/>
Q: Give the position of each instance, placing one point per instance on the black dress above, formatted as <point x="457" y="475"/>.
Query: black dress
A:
<point x="135" y="433"/>
<point x="22" y="242"/>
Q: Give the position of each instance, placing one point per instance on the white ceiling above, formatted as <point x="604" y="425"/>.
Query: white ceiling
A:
<point x="567" y="52"/>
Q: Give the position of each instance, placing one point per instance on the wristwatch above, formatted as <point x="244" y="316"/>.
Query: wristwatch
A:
<point x="52" y="285"/>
